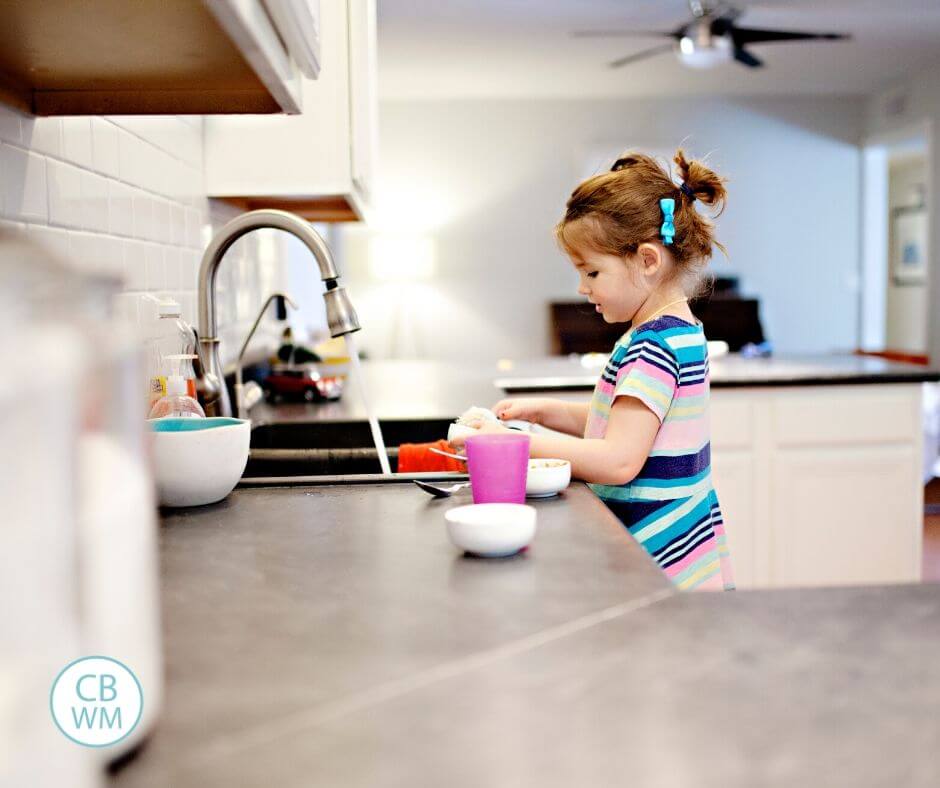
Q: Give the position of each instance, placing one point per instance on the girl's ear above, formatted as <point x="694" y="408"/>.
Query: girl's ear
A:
<point x="651" y="259"/>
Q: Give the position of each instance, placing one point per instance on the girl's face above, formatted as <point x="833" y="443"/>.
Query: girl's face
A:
<point x="612" y="284"/>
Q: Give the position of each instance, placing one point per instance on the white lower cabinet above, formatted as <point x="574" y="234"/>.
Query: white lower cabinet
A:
<point x="845" y="516"/>
<point x="820" y="486"/>
<point x="733" y="473"/>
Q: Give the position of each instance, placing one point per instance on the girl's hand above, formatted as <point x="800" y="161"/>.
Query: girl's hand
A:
<point x="482" y="427"/>
<point x="526" y="409"/>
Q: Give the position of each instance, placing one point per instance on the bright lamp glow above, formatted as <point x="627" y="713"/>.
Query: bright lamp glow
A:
<point x="697" y="55"/>
<point x="401" y="258"/>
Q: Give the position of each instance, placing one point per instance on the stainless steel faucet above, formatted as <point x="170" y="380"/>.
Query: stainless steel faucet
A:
<point x="241" y="409"/>
<point x="340" y="315"/>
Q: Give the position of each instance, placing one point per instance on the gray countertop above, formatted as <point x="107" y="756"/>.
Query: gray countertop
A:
<point x="332" y="636"/>
<point x="445" y="389"/>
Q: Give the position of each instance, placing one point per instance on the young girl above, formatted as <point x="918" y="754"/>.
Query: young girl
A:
<point x="642" y="444"/>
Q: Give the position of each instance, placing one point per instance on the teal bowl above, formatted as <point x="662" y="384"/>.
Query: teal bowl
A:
<point x="198" y="461"/>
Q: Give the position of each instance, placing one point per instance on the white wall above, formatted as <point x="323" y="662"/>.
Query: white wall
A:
<point x="126" y="195"/>
<point x="915" y="104"/>
<point x="489" y="179"/>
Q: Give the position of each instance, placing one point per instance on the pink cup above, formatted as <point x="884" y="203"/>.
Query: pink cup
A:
<point x="498" y="465"/>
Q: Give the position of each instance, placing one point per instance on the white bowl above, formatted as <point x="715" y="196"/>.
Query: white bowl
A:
<point x="547" y="477"/>
<point x="198" y="461"/>
<point x="492" y="530"/>
<point x="456" y="430"/>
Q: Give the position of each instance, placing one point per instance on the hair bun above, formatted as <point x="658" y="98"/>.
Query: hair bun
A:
<point x="701" y="182"/>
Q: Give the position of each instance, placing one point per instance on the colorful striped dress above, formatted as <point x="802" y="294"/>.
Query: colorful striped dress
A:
<point x="670" y="507"/>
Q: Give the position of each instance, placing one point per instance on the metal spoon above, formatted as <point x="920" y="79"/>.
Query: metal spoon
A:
<point x="448" y="454"/>
<point x="440" y="492"/>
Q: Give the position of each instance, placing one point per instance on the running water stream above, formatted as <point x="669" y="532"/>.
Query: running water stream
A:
<point x="356" y="369"/>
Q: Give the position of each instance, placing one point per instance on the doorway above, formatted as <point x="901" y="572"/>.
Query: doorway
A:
<point x="895" y="252"/>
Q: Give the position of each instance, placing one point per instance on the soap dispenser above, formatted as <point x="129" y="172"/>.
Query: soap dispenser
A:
<point x="177" y="403"/>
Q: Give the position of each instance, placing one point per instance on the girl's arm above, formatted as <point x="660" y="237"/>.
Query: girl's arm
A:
<point x="556" y="414"/>
<point x="616" y="458"/>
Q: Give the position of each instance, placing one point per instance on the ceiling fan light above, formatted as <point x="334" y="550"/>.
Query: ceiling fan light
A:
<point x="693" y="55"/>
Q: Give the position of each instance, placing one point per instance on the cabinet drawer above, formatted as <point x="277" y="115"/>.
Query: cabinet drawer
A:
<point x="846" y="415"/>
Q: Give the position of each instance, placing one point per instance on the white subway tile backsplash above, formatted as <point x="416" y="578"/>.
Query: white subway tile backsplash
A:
<point x="190" y="261"/>
<point x="120" y="209"/>
<point x="177" y="224"/>
<point x="143" y="215"/>
<point x="24" y="184"/>
<point x="135" y="265"/>
<point x="111" y="255"/>
<point x="188" y="304"/>
<point x="52" y="238"/>
<point x="161" y="219"/>
<point x="126" y="308"/>
<point x="66" y="208"/>
<point x="194" y="222"/>
<point x="132" y="153"/>
<point x="42" y="135"/>
<point x="171" y="265"/>
<point x="125" y="196"/>
<point x="95" y="200"/>
<point x="156" y="271"/>
<point x="10" y="125"/>
<point x="104" y="146"/>
<point x="76" y="141"/>
<point x="83" y="249"/>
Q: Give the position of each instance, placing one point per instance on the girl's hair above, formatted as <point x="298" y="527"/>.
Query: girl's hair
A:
<point x="616" y="211"/>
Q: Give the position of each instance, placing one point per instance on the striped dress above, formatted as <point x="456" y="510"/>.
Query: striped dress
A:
<point x="670" y="507"/>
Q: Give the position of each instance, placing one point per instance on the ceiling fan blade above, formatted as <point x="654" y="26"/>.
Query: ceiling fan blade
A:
<point x="646" y="53"/>
<point x="753" y="35"/>
<point x="746" y="58"/>
<point x="620" y="34"/>
<point x="723" y="24"/>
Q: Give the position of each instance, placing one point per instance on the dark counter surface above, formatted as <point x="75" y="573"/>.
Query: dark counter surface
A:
<point x="445" y="389"/>
<point x="733" y="371"/>
<point x="333" y="636"/>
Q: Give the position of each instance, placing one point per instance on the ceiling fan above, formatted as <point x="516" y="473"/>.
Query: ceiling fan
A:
<point x="711" y="37"/>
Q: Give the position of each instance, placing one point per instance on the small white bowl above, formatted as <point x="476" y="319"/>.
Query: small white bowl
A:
<point x="459" y="431"/>
<point x="492" y="530"/>
<point x="198" y="461"/>
<point x="547" y="477"/>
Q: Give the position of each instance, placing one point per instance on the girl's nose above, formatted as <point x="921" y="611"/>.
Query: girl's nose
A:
<point x="583" y="289"/>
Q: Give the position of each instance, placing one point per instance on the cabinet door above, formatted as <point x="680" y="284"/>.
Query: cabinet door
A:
<point x="363" y="77"/>
<point x="733" y="476"/>
<point x="846" y="515"/>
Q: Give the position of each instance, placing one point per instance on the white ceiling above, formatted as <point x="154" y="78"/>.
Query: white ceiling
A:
<point x="518" y="48"/>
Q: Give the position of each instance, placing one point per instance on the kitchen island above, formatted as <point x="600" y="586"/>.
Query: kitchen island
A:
<point x="332" y="636"/>
<point x="817" y="460"/>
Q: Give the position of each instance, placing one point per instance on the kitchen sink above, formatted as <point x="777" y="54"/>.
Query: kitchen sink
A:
<point x="337" y="448"/>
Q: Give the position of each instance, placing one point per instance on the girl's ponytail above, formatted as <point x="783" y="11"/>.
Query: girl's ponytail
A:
<point x="703" y="183"/>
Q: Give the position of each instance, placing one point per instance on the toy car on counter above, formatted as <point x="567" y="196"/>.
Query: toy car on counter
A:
<point x="301" y="383"/>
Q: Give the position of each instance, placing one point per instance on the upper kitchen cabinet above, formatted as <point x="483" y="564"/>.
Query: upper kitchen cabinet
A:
<point x="118" y="57"/>
<point x="318" y="164"/>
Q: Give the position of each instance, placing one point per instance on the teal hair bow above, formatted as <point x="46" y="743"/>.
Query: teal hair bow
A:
<point x="668" y="230"/>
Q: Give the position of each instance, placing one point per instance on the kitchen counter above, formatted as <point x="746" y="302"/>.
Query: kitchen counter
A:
<point x="332" y="636"/>
<point x="734" y="371"/>
<point x="444" y="389"/>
